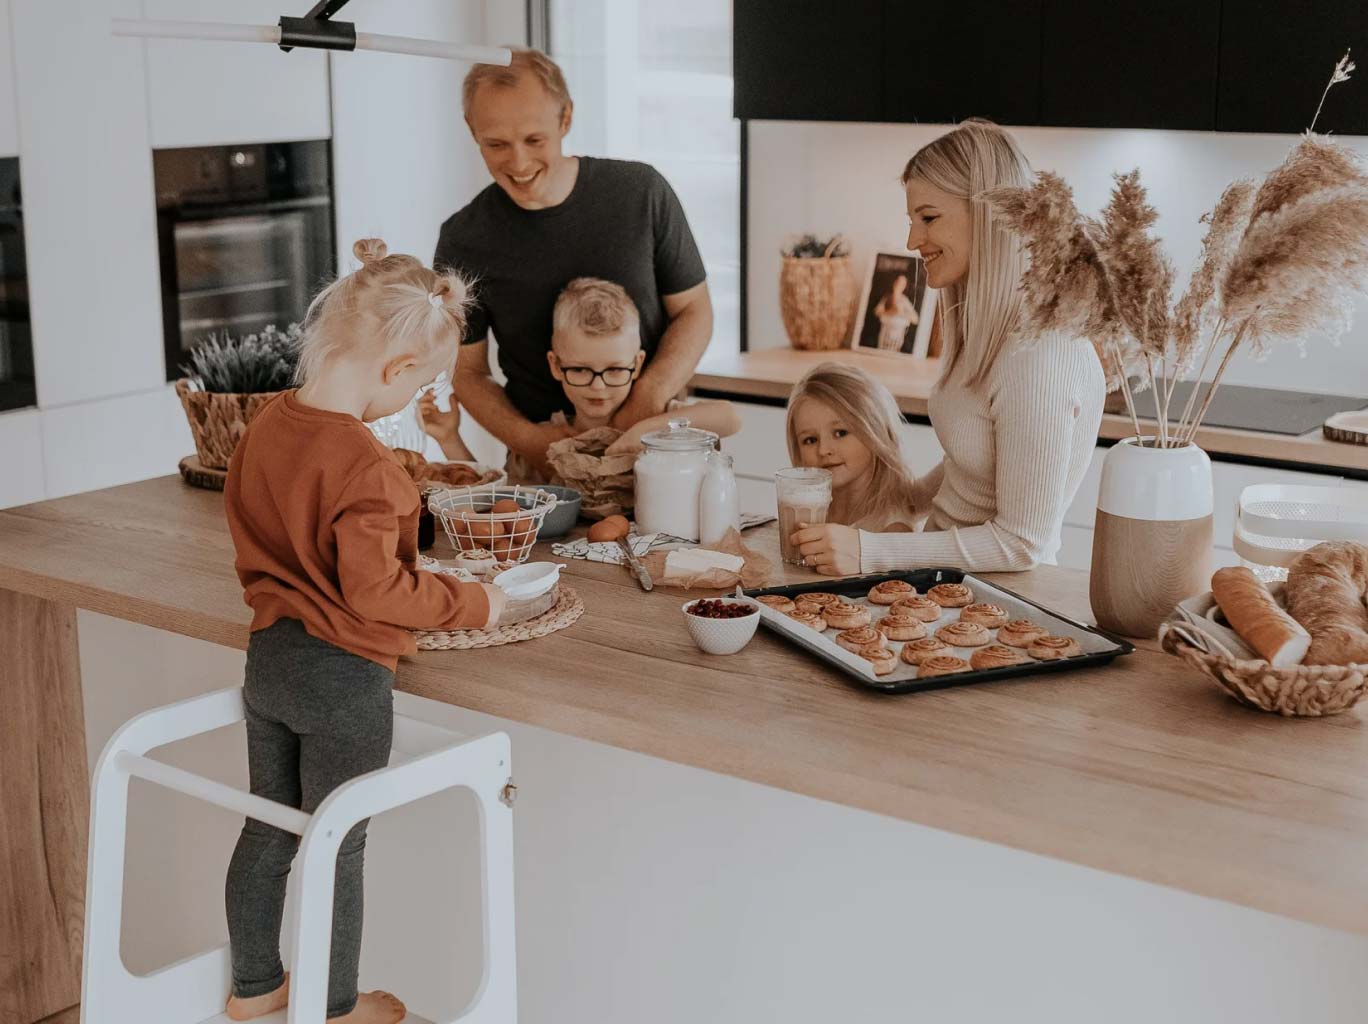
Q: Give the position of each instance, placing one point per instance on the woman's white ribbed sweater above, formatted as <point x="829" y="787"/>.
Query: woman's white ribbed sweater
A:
<point x="1016" y="450"/>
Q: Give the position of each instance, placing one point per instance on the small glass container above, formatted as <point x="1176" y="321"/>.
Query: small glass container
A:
<point x="669" y="478"/>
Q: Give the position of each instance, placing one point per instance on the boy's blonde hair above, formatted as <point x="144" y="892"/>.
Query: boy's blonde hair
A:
<point x="524" y="62"/>
<point x="389" y="304"/>
<point x="595" y="307"/>
<point x="980" y="312"/>
<point x="870" y="411"/>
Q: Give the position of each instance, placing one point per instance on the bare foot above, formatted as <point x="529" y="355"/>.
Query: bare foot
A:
<point x="373" y="1008"/>
<point x="259" y="1006"/>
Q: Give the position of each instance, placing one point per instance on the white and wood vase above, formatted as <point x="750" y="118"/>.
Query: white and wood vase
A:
<point x="1152" y="537"/>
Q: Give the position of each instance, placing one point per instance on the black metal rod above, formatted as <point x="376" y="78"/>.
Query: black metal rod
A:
<point x="325" y="9"/>
<point x="316" y="34"/>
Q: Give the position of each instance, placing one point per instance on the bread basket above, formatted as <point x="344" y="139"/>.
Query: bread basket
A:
<point x="1196" y="635"/>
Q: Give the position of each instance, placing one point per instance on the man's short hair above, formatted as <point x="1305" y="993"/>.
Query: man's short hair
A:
<point x="595" y="307"/>
<point x="525" y="62"/>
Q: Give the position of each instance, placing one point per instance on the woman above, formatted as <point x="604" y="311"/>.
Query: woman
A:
<point x="1017" y="417"/>
<point x="895" y="314"/>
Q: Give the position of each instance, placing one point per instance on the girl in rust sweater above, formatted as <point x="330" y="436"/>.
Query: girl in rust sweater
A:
<point x="325" y="524"/>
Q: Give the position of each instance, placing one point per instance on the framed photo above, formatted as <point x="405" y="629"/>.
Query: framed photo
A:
<point x="897" y="309"/>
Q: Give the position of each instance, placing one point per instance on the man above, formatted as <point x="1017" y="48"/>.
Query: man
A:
<point x="549" y="218"/>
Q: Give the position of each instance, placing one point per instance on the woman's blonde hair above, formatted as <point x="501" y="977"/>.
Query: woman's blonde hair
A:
<point x="979" y="313"/>
<point x="869" y="410"/>
<point x="390" y="304"/>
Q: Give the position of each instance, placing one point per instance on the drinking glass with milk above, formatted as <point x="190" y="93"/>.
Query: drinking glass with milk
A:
<point x="804" y="495"/>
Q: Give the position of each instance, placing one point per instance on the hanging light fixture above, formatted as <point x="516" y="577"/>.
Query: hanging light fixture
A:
<point x="316" y="31"/>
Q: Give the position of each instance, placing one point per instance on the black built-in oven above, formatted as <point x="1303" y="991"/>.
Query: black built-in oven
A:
<point x="245" y="235"/>
<point x="16" y="339"/>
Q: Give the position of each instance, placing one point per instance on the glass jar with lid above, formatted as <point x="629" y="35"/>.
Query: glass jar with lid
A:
<point x="669" y="476"/>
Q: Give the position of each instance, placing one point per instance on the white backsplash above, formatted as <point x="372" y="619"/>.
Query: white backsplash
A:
<point x="827" y="178"/>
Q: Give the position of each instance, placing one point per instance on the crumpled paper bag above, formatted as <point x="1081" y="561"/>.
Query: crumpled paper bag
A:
<point x="754" y="571"/>
<point x="606" y="481"/>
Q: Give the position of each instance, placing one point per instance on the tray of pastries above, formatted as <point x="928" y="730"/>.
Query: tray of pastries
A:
<point x="927" y="629"/>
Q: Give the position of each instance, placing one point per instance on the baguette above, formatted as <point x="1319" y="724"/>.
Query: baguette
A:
<point x="1253" y="613"/>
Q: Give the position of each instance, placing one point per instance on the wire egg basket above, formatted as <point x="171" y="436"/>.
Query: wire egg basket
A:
<point x="471" y="524"/>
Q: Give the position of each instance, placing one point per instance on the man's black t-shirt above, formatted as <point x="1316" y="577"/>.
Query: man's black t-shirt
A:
<point x="622" y="222"/>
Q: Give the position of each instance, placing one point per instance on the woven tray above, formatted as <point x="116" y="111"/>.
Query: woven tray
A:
<point x="196" y="474"/>
<point x="1299" y="690"/>
<point x="563" y="613"/>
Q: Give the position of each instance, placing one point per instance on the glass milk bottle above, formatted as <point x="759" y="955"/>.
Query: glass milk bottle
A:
<point x="719" y="501"/>
<point x="669" y="477"/>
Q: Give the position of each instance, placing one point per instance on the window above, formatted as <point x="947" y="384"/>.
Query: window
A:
<point x="652" y="81"/>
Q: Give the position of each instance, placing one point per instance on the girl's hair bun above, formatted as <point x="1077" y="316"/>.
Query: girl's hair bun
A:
<point x="370" y="250"/>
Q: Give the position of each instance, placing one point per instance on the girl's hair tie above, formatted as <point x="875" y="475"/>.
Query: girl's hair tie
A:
<point x="435" y="300"/>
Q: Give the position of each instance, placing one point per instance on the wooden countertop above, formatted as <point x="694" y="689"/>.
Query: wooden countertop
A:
<point x="771" y="373"/>
<point x="1140" y="768"/>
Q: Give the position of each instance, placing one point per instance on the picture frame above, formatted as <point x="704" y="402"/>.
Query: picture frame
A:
<point x="897" y="313"/>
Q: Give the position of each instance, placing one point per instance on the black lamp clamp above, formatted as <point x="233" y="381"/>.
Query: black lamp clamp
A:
<point x="317" y="31"/>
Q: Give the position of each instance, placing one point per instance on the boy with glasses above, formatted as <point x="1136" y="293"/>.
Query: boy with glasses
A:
<point x="596" y="355"/>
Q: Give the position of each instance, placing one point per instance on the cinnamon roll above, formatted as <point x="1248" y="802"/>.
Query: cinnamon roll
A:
<point x="818" y="599"/>
<point x="990" y="616"/>
<point x="778" y="602"/>
<point x="882" y="661"/>
<point x="891" y="591"/>
<point x="846" y="616"/>
<point x="1020" y="633"/>
<point x="811" y="620"/>
<point x="997" y="656"/>
<point x="942" y="665"/>
<point x="951" y="595"/>
<point x="921" y="607"/>
<point x="901" y="626"/>
<point x="861" y="639"/>
<point x="1053" y="648"/>
<point x="964" y="634"/>
<point x="914" y="652"/>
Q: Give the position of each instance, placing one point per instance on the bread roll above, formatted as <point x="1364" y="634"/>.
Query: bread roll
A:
<point x="1325" y="592"/>
<point x="1253" y="613"/>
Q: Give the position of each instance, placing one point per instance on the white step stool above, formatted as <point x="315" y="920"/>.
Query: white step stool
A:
<point x="193" y="991"/>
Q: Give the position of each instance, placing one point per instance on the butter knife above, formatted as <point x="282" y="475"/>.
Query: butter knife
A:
<point x="638" y="570"/>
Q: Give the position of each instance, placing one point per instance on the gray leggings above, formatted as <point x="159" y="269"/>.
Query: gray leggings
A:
<point x="317" y="716"/>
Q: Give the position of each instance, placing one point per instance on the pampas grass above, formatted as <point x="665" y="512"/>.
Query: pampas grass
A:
<point x="1278" y="262"/>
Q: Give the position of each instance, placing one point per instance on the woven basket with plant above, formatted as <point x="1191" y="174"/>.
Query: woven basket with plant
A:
<point x="227" y="380"/>
<point x="817" y="293"/>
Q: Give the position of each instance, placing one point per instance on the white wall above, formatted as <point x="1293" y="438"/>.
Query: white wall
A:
<point x="830" y="178"/>
<point x="647" y="891"/>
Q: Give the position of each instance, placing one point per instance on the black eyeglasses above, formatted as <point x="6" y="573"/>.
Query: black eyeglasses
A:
<point x="583" y="376"/>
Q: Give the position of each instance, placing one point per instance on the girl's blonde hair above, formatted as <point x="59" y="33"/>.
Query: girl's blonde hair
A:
<point x="981" y="312"/>
<point x="869" y="410"/>
<point x="389" y="304"/>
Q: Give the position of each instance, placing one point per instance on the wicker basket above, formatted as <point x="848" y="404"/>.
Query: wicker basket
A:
<point x="1300" y="690"/>
<point x="218" y="421"/>
<point x="817" y="299"/>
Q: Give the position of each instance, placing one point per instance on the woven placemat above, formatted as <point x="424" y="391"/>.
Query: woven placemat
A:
<point x="563" y="613"/>
<point x="196" y="474"/>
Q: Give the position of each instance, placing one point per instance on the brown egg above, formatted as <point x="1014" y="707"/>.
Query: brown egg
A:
<point x="504" y="548"/>
<point x="481" y="527"/>
<point x="523" y="530"/>
<point x="612" y="528"/>
<point x="506" y="505"/>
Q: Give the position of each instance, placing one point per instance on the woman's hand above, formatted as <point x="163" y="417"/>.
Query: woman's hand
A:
<point x="831" y="549"/>
<point x="443" y="427"/>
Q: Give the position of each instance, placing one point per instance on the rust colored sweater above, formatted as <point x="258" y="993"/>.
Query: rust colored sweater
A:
<point x="325" y="523"/>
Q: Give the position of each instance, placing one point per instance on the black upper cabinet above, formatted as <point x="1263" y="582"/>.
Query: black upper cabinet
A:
<point x="1130" y="63"/>
<point x="812" y="60"/>
<point x="1277" y="55"/>
<point x="943" y="62"/>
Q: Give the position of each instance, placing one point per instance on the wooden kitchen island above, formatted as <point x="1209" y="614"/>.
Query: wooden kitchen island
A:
<point x="1139" y="768"/>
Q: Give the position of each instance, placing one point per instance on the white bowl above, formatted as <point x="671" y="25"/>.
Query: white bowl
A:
<point x="722" y="636"/>
<point x="530" y="580"/>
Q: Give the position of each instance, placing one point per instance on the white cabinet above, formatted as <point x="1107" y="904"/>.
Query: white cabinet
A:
<point x="202" y="93"/>
<point x="9" y="113"/>
<point x="89" y="220"/>
<point x="21" y="458"/>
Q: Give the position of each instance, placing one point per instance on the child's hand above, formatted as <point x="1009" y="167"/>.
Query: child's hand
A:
<point x="497" y="600"/>
<point x="443" y="427"/>
<point x="831" y="549"/>
<point x="629" y="442"/>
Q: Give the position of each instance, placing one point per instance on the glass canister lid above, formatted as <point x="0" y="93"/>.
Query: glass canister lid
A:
<point x="678" y="436"/>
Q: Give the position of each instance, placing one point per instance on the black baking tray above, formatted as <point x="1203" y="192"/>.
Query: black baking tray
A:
<point x="923" y="580"/>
